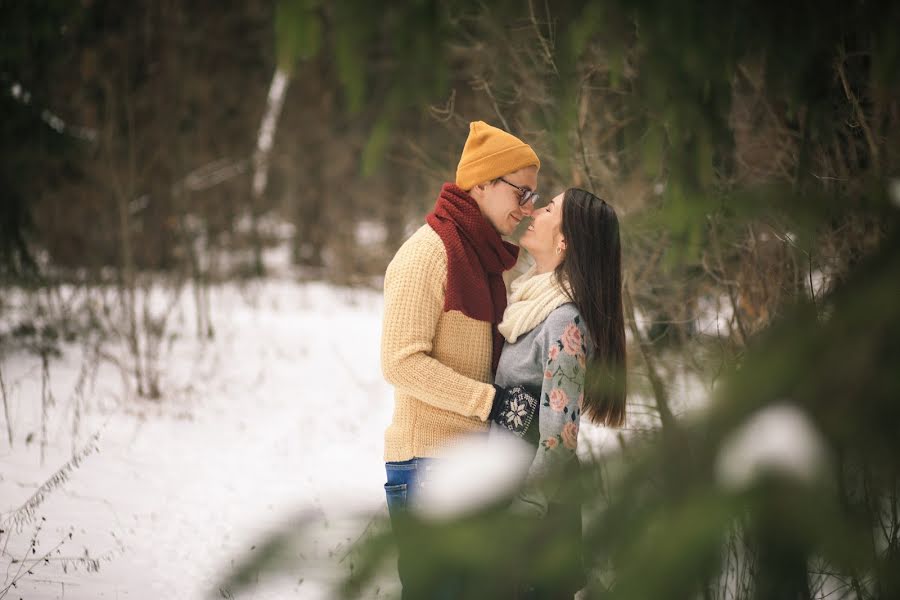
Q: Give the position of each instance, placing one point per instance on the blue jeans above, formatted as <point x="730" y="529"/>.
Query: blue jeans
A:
<point x="403" y="479"/>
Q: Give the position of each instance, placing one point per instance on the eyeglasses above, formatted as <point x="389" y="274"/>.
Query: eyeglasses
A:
<point x="526" y="194"/>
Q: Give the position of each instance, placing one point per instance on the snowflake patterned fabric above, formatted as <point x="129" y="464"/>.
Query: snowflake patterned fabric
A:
<point x="518" y="409"/>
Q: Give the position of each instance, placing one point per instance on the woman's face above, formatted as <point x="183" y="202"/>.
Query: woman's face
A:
<point x="544" y="235"/>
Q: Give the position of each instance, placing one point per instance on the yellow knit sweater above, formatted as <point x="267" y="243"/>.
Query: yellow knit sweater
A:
<point x="438" y="362"/>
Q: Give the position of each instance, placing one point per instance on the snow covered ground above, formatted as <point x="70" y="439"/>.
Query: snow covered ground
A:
<point x="282" y="413"/>
<point x="279" y="417"/>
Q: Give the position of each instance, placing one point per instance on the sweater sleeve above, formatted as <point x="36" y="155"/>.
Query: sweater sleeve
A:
<point x="563" y="340"/>
<point x="413" y="303"/>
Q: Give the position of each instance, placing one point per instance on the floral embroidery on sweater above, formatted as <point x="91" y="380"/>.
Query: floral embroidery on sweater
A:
<point x="562" y="397"/>
<point x="566" y="364"/>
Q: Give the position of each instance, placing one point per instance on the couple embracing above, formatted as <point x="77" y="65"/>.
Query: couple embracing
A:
<point x="464" y="357"/>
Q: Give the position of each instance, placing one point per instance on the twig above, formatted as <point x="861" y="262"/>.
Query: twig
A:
<point x="444" y="114"/>
<point x="714" y="238"/>
<point x="45" y="559"/>
<point x="24" y="560"/>
<point x="9" y="430"/>
<point x="545" y="44"/>
<point x="659" y="390"/>
<point x="88" y="370"/>
<point x="812" y="289"/>
<point x="359" y="537"/>
<point x="480" y="84"/>
<point x="860" y="116"/>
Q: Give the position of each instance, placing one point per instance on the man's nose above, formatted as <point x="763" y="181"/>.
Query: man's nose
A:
<point x="527" y="208"/>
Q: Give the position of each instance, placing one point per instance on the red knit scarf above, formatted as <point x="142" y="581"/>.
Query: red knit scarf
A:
<point x="476" y="259"/>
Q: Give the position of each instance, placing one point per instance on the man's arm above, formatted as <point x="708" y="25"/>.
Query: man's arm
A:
<point x="413" y="303"/>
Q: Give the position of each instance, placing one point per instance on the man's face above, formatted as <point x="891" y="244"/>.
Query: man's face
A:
<point x="499" y="201"/>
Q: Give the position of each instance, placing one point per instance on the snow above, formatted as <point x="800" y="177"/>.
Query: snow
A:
<point x="371" y="234"/>
<point x="475" y="474"/>
<point x="278" y="420"/>
<point x="818" y="282"/>
<point x="779" y="439"/>
<point x="714" y="315"/>
<point x="282" y="413"/>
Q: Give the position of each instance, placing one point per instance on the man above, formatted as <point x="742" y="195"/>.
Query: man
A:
<point x="444" y="296"/>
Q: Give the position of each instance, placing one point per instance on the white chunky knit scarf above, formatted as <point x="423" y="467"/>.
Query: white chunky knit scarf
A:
<point x="533" y="298"/>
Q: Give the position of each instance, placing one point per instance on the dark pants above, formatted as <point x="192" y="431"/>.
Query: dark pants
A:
<point x="570" y="573"/>
<point x="404" y="480"/>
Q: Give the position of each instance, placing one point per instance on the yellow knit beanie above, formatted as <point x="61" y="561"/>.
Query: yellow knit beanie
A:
<point x="490" y="153"/>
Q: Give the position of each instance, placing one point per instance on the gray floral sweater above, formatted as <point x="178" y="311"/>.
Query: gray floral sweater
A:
<point x="551" y="357"/>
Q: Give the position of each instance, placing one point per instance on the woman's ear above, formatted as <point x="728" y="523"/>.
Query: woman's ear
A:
<point x="477" y="191"/>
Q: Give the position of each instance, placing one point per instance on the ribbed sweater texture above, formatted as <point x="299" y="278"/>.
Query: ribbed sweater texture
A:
<point x="439" y="361"/>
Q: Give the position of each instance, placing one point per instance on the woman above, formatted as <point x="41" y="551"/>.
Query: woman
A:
<point x="565" y="350"/>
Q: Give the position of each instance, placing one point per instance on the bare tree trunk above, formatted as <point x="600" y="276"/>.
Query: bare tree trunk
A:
<point x="123" y="183"/>
<point x="128" y="278"/>
<point x="201" y="298"/>
<point x="266" y="138"/>
<point x="46" y="399"/>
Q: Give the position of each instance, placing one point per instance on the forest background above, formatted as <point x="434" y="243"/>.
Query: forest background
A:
<point x="750" y="149"/>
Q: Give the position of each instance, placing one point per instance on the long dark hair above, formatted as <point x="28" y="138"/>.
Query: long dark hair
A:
<point x="592" y="266"/>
